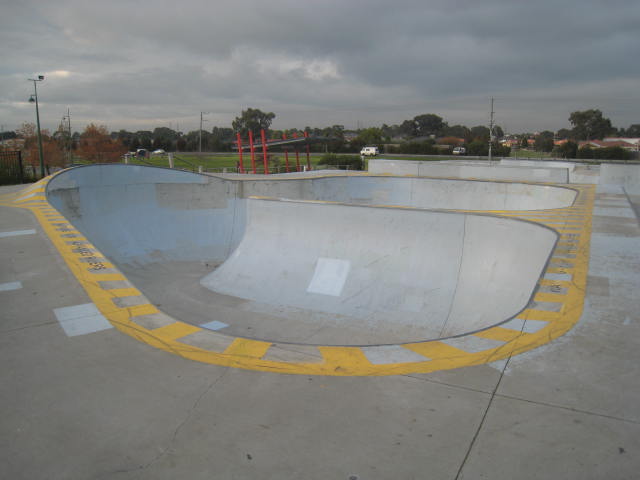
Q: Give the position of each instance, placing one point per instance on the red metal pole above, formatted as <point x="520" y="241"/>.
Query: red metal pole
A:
<point x="253" y="152"/>
<point x="306" y="135"/>
<point x="286" y="154"/>
<point x="265" y="160"/>
<point x="295" y="135"/>
<point x="240" y="153"/>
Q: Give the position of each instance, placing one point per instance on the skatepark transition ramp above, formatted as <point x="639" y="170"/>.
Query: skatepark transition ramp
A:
<point x="368" y="275"/>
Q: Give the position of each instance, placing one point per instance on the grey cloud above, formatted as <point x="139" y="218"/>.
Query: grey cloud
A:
<point x="372" y="61"/>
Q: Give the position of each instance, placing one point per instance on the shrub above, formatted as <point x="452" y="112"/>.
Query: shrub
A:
<point x="416" y="148"/>
<point x="342" y="162"/>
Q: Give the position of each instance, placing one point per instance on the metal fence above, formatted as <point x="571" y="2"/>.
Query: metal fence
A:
<point x="11" y="168"/>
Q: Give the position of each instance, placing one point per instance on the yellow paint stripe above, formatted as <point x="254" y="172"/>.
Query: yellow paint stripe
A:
<point x="550" y="297"/>
<point x="344" y="359"/>
<point x="435" y="350"/>
<point x="551" y="283"/>
<point x="108" y="277"/>
<point x="565" y="270"/>
<point x="248" y="348"/>
<point x="175" y="330"/>
<point x="146" y="309"/>
<point x="567" y="243"/>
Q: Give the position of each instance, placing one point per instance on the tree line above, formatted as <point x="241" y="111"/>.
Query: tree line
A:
<point x="423" y="134"/>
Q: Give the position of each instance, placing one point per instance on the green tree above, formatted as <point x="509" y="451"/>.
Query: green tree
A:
<point x="221" y="139"/>
<point x="590" y="125"/>
<point x="544" y="142"/>
<point x="429" y="124"/>
<point x="408" y="128"/>
<point x="416" y="148"/>
<point x="369" y="136"/>
<point x="458" y="131"/>
<point x="423" y="125"/>
<point x="567" y="150"/>
<point x="480" y="132"/>
<point x="633" y="131"/>
<point x="253" y="119"/>
<point x="607" y="153"/>
<point x="164" y="138"/>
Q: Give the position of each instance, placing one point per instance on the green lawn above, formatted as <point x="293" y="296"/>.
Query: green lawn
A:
<point x="217" y="163"/>
<point x="228" y="161"/>
<point x="529" y="154"/>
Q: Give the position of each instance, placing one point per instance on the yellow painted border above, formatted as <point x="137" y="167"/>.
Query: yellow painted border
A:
<point x="569" y="262"/>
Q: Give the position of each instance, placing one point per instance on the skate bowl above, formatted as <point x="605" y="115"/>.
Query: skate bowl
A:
<point x="327" y="260"/>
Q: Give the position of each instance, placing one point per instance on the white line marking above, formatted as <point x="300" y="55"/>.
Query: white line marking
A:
<point x="329" y="277"/>
<point x="5" y="287"/>
<point x="16" y="233"/>
<point x="385" y="354"/>
<point x="215" y="325"/>
<point x="81" y="319"/>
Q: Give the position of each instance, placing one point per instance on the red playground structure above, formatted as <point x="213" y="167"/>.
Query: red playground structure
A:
<point x="264" y="145"/>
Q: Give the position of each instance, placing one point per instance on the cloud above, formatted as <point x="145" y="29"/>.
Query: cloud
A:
<point x="128" y="64"/>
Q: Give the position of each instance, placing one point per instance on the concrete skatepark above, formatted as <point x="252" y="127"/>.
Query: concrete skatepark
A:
<point x="484" y="324"/>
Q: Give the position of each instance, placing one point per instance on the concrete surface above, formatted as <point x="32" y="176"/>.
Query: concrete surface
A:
<point x="494" y="171"/>
<point x="627" y="176"/>
<point x="104" y="405"/>
<point x="403" y="274"/>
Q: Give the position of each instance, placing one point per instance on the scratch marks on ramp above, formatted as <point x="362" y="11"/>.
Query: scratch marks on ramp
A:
<point x="554" y="309"/>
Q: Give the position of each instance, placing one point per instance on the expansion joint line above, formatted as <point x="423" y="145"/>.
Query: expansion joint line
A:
<point x="455" y="290"/>
<point x="482" y="420"/>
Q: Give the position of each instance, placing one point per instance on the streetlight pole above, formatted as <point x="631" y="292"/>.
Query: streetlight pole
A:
<point x="34" y="98"/>
<point x="66" y="123"/>
<point x="201" y="120"/>
<point x="491" y="131"/>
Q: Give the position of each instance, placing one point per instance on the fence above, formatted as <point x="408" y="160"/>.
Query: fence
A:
<point x="11" y="169"/>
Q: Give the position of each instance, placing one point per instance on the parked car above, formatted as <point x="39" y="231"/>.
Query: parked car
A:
<point x="369" y="151"/>
<point x="459" y="151"/>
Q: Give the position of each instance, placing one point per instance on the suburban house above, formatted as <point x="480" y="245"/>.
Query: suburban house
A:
<point x="631" y="144"/>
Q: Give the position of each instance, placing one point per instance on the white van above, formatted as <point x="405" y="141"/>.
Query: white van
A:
<point x="459" y="151"/>
<point x="369" y="151"/>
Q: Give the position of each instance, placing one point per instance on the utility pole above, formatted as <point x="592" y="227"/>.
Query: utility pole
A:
<point x="34" y="99"/>
<point x="201" y="120"/>
<point x="69" y="141"/>
<point x="491" y="130"/>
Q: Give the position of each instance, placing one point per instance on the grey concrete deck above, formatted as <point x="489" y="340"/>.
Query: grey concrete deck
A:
<point x="104" y="405"/>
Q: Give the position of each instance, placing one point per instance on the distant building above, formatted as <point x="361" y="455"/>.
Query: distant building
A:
<point x="13" y="144"/>
<point x="631" y="144"/>
<point x="511" y="142"/>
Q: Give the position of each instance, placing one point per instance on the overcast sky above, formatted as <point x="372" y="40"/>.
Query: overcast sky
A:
<point x="143" y="64"/>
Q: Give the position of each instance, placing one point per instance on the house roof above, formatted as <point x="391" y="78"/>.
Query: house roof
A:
<point x="613" y="142"/>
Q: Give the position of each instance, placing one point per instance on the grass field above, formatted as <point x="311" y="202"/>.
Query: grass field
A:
<point x="228" y="161"/>
<point x="529" y="154"/>
<point x="217" y="162"/>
